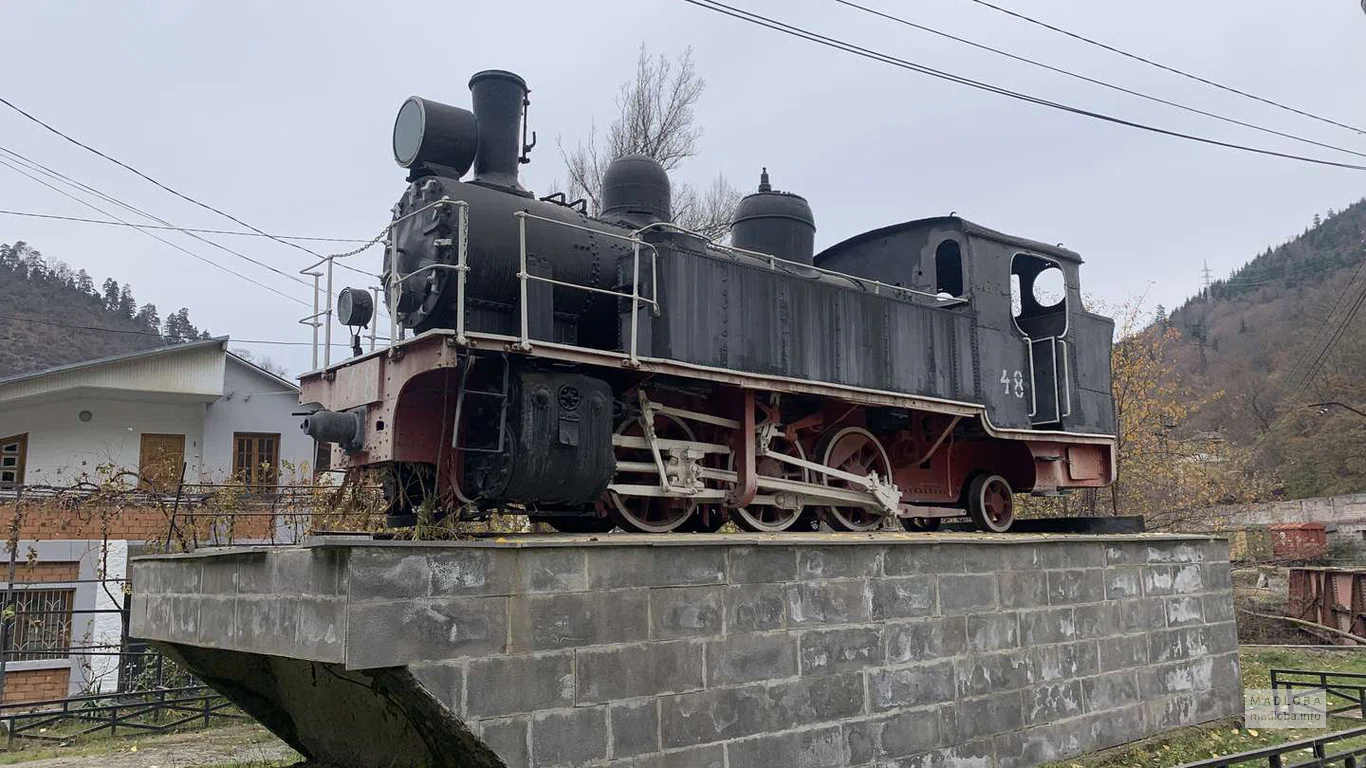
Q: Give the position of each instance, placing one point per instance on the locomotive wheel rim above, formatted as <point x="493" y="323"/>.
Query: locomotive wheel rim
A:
<point x="768" y="518"/>
<point x="994" y="505"/>
<point x="858" y="451"/>
<point x="669" y="514"/>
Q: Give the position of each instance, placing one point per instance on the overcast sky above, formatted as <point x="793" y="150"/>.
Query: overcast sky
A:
<point x="280" y="114"/>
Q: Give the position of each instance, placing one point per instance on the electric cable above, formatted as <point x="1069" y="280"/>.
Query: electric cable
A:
<point x="33" y="215"/>
<point x="1095" y="81"/>
<point x="231" y="340"/>
<point x="1165" y="67"/>
<point x="830" y="42"/>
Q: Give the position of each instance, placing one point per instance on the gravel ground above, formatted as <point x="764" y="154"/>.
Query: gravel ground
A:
<point x="238" y="746"/>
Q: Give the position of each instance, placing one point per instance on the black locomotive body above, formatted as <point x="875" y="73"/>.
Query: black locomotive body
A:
<point x="618" y="370"/>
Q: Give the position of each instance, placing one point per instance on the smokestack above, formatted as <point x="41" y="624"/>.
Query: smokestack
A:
<point x="499" y="98"/>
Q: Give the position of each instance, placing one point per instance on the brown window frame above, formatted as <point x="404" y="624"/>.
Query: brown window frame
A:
<point x="253" y="474"/>
<point x="22" y="441"/>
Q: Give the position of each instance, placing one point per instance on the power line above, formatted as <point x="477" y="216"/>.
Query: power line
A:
<point x="135" y="171"/>
<point x="152" y="235"/>
<point x="1095" y="81"/>
<point x="1165" y="67"/>
<point x="829" y="42"/>
<point x="178" y="229"/>
<point x="231" y="340"/>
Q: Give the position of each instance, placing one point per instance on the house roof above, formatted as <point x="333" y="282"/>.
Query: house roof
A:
<point x="193" y="370"/>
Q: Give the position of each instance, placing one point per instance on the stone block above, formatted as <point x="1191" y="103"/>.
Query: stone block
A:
<point x="911" y="686"/>
<point x="634" y="727"/>
<point x="1217" y="607"/>
<point x="750" y="565"/>
<point x="1068" y="587"/>
<point x="217" y="621"/>
<point x="808" y="748"/>
<point x="322" y="627"/>
<point x="575" y="619"/>
<point x="912" y="558"/>
<point x="307" y="572"/>
<point x="1123" y="582"/>
<point x="386" y="633"/>
<point x="721" y="714"/>
<point x="1123" y="652"/>
<point x="1096" y="619"/>
<point x="968" y="719"/>
<point x="967" y="593"/>
<point x="267" y="624"/>
<point x="1176" y="552"/>
<point x="755" y="607"/>
<point x="380" y="573"/>
<point x="1111" y="690"/>
<point x="1180" y="677"/>
<point x="1126" y="553"/>
<point x="643" y="669"/>
<point x="1222" y="637"/>
<point x="990" y="558"/>
<point x="828" y="652"/>
<point x="557" y="569"/>
<point x="1072" y="554"/>
<point x="219" y="576"/>
<point x="710" y="756"/>
<point x="569" y="737"/>
<point x="686" y="611"/>
<point x="1176" y="644"/>
<point x="445" y="681"/>
<point x="1028" y="748"/>
<point x="1022" y="589"/>
<point x="1183" y="611"/>
<point x="621" y="567"/>
<point x="977" y="754"/>
<point x="1049" y="663"/>
<point x="1167" y="713"/>
<point x="840" y="562"/>
<point x="899" y="735"/>
<point x="508" y="738"/>
<point x="925" y="639"/>
<point x="509" y="685"/>
<point x="1115" y="727"/>
<point x="904" y="597"/>
<point x="991" y="673"/>
<point x="1048" y="625"/>
<point x="1161" y="580"/>
<point x="749" y="658"/>
<point x="829" y="602"/>
<point x="1216" y="576"/>
<point x="1142" y="615"/>
<point x="472" y="572"/>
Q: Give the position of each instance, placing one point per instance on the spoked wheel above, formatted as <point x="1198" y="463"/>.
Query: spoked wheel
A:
<point x="921" y="524"/>
<point x="650" y="514"/>
<point x="770" y="518"/>
<point x="991" y="503"/>
<point x="854" y="450"/>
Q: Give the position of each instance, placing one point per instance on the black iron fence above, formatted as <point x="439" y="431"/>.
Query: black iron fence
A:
<point x="1344" y="749"/>
<point x="1348" y="687"/>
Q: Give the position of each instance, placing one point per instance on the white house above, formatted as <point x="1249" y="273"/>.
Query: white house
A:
<point x="193" y="408"/>
<point x="195" y="404"/>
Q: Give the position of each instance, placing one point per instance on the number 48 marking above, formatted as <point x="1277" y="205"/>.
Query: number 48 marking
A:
<point x="1015" y="380"/>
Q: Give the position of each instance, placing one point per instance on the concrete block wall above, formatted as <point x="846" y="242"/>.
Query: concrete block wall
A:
<point x="730" y="651"/>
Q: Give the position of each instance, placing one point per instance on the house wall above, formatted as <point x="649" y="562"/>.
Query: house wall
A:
<point x="252" y="402"/>
<point x="62" y="448"/>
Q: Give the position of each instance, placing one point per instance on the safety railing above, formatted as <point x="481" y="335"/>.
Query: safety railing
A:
<point x="1291" y="754"/>
<point x="1350" y="686"/>
<point x="524" y="276"/>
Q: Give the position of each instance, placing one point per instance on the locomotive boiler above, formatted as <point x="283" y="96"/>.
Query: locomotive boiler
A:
<point x="607" y="368"/>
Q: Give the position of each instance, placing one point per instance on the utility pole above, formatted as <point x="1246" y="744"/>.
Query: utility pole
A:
<point x="1206" y="274"/>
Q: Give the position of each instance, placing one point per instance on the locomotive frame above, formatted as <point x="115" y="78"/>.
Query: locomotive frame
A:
<point x="650" y="433"/>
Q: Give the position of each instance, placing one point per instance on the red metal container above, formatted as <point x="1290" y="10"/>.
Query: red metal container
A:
<point x="1298" y="541"/>
<point x="1333" y="597"/>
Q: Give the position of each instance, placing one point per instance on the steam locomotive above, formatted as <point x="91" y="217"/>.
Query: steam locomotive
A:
<point x="613" y="369"/>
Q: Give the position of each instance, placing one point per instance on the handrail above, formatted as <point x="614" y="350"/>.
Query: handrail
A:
<point x="1317" y="744"/>
<point x="773" y="261"/>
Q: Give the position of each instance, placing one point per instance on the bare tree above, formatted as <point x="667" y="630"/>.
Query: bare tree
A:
<point x="655" y="118"/>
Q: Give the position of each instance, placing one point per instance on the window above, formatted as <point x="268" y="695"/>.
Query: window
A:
<point x="322" y="457"/>
<point x="42" y="624"/>
<point x="1038" y="296"/>
<point x="948" y="268"/>
<point x="256" y="459"/>
<point x="12" y="451"/>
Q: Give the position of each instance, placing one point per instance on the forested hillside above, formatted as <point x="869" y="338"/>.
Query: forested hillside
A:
<point x="1257" y="346"/>
<point x="51" y="315"/>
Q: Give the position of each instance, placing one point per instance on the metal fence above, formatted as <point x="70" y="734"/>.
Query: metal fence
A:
<point x="1330" y="751"/>
<point x="1347" y="686"/>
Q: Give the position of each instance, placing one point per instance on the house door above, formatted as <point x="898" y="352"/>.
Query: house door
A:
<point x="160" y="461"/>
